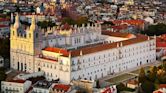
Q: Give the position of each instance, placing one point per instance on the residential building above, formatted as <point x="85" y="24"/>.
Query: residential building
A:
<point x="42" y="87"/>
<point x="15" y="86"/>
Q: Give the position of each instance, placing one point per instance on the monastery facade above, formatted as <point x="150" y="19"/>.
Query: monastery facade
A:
<point x="71" y="52"/>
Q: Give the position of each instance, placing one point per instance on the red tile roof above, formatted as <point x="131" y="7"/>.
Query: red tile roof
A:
<point x="62" y="87"/>
<point x="161" y="44"/>
<point x="97" y="47"/>
<point x="1" y="26"/>
<point x="162" y="86"/>
<point x="18" y="81"/>
<point x="131" y="22"/>
<point x="105" y="46"/>
<point x="117" y="34"/>
<point x="120" y="27"/>
<point x="161" y="41"/>
<point x="57" y="50"/>
<point x="4" y="19"/>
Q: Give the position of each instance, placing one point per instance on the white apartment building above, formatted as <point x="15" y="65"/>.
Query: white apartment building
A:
<point x="42" y="87"/>
<point x="15" y="86"/>
<point x="71" y="52"/>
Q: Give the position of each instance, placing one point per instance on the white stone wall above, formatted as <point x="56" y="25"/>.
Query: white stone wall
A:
<point x="53" y="69"/>
<point x="41" y="90"/>
<point x="19" y="87"/>
<point x="25" y="62"/>
<point x="97" y="65"/>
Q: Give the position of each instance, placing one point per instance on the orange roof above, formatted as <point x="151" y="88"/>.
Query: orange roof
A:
<point x="117" y="34"/>
<point x="161" y="41"/>
<point x="1" y="26"/>
<point x="98" y="47"/>
<point x="105" y="46"/>
<point x="120" y="27"/>
<point x="62" y="87"/>
<point x="57" y="50"/>
<point x="162" y="86"/>
<point x="131" y="22"/>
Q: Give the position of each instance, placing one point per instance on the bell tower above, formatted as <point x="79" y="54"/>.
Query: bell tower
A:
<point x="25" y="45"/>
<point x="34" y="37"/>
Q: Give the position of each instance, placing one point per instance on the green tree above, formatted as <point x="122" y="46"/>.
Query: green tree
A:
<point x="142" y="76"/>
<point x="147" y="86"/>
<point x="97" y="84"/>
<point x="81" y="20"/>
<point x="158" y="29"/>
<point x="152" y="73"/>
<point x="45" y="24"/>
<point x="5" y="48"/>
<point x="120" y="87"/>
<point x="68" y="20"/>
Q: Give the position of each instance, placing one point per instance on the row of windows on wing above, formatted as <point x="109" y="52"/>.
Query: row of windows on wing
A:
<point x="118" y="67"/>
<point x="79" y="67"/>
<point x="112" y="55"/>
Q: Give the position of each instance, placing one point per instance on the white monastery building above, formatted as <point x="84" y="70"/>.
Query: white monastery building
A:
<point x="70" y="52"/>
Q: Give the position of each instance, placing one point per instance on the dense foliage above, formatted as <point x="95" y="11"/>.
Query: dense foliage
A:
<point x="158" y="29"/>
<point x="152" y="78"/>
<point x="5" y="48"/>
<point x="121" y="87"/>
<point x="45" y="24"/>
<point x="79" y="21"/>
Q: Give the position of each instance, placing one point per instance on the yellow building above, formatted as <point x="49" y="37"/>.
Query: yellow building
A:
<point x="24" y="42"/>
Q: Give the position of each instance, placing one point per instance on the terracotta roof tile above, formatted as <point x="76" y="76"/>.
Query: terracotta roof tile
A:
<point x="131" y="22"/>
<point x="17" y="81"/>
<point x="57" y="50"/>
<point x="117" y="34"/>
<point x="105" y="46"/>
<point x="62" y="87"/>
<point x="162" y="86"/>
<point x="1" y="26"/>
<point x="97" y="47"/>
